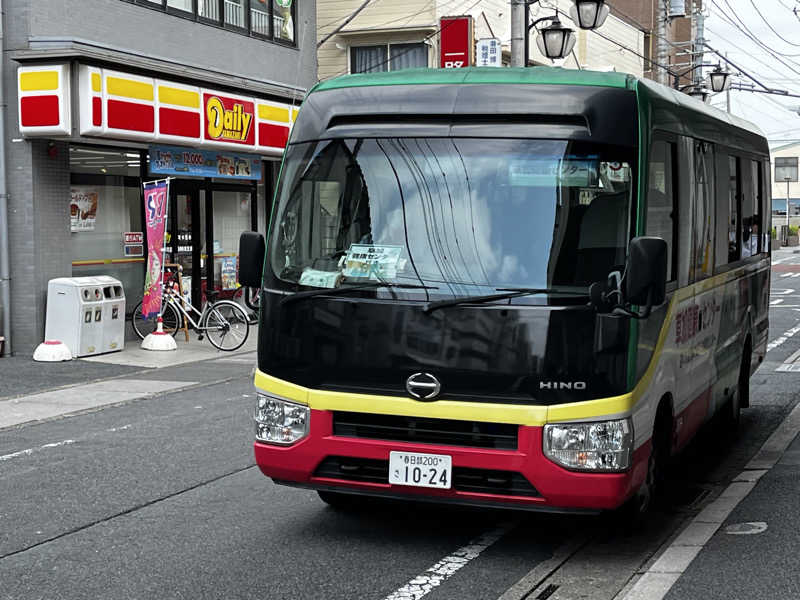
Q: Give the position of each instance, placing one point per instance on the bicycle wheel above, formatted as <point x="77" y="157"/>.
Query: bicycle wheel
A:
<point x="143" y="326"/>
<point x="226" y="325"/>
<point x="243" y="297"/>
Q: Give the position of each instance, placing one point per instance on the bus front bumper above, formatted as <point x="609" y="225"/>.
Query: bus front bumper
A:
<point x="522" y="478"/>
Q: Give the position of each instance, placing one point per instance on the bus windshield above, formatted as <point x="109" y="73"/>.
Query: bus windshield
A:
<point x="462" y="215"/>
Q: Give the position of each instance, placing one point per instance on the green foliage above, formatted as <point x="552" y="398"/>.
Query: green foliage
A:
<point x="774" y="234"/>
<point x="792" y="229"/>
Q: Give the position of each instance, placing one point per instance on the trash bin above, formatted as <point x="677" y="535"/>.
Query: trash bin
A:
<point x="87" y="314"/>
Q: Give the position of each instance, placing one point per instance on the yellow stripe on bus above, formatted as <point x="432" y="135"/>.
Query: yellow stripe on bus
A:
<point x="395" y="405"/>
<point x="34" y="81"/>
<point x="127" y="88"/>
<point x="178" y="97"/>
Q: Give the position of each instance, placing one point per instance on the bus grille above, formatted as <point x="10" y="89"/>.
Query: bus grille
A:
<point x="447" y="432"/>
<point x="465" y="479"/>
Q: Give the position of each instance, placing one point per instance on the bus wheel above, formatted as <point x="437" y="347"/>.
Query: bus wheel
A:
<point x="731" y="413"/>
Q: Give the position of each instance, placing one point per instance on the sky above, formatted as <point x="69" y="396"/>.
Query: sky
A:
<point x="777" y="65"/>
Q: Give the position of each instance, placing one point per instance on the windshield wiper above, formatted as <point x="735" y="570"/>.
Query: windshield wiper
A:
<point x="507" y="294"/>
<point x="354" y="288"/>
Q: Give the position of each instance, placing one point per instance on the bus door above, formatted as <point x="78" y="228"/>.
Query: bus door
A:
<point x="697" y="315"/>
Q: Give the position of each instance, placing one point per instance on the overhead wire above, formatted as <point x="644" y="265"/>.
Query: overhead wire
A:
<point x="763" y="18"/>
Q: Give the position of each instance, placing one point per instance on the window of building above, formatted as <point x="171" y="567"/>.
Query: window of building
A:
<point x="105" y="202"/>
<point x="661" y="198"/>
<point x="388" y="57"/>
<point x="269" y="19"/>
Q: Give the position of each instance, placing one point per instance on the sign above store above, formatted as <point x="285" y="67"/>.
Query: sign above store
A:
<point x="456" y="42"/>
<point x="119" y="105"/>
<point x="189" y="162"/>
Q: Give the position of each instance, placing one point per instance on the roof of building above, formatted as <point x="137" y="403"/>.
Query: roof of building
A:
<point x="481" y="75"/>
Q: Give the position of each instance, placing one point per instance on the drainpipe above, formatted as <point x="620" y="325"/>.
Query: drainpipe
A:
<point x="5" y="271"/>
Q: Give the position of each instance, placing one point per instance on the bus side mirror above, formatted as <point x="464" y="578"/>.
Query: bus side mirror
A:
<point x="251" y="258"/>
<point x="646" y="271"/>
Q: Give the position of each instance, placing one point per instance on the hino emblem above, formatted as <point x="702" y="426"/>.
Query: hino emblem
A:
<point x="562" y="385"/>
<point x="423" y="386"/>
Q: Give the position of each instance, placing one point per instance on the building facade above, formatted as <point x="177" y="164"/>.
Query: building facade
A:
<point x="102" y="95"/>
<point x="392" y="35"/>
<point x="787" y="160"/>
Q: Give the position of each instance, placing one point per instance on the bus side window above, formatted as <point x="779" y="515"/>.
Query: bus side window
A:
<point x="734" y="192"/>
<point x="722" y="168"/>
<point x="766" y="208"/>
<point x="750" y="225"/>
<point x="661" y="199"/>
<point x="703" y="223"/>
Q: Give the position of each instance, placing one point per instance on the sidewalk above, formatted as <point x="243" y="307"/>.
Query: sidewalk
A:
<point x="35" y="391"/>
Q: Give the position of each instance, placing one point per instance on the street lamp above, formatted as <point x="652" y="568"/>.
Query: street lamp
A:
<point x="589" y="14"/>
<point x="699" y="93"/>
<point x="556" y="41"/>
<point x="719" y="80"/>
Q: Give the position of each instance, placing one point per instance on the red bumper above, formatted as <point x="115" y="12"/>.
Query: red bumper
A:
<point x="557" y="487"/>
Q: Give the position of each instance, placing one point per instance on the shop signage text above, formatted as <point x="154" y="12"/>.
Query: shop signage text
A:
<point x="133" y="237"/>
<point x="229" y="120"/>
<point x="456" y="44"/>
<point x="190" y="162"/>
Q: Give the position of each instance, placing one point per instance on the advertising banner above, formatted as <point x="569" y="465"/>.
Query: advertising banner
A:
<point x="191" y="162"/>
<point x="456" y="45"/>
<point x="82" y="209"/>
<point x="155" y="213"/>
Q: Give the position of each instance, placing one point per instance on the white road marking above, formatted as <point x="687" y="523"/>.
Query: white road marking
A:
<point x="433" y="577"/>
<point x="781" y="292"/>
<point x="786" y="335"/>
<point x="123" y="428"/>
<point x="776" y="301"/>
<point x="29" y="451"/>
<point x="751" y="528"/>
<point x="656" y="582"/>
<point x="786" y="275"/>
<point x="795" y="274"/>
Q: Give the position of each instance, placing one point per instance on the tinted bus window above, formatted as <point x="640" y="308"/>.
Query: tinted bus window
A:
<point x="766" y="208"/>
<point x="734" y="187"/>
<point x="661" y="198"/>
<point x="750" y="209"/>
<point x="703" y="226"/>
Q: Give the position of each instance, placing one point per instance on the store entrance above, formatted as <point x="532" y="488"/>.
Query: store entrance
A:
<point x="208" y="248"/>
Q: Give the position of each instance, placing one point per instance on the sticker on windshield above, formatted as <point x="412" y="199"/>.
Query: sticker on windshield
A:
<point x="552" y="171"/>
<point x="321" y="279"/>
<point x="371" y="261"/>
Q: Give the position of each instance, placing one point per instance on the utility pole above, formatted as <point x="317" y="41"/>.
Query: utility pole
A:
<point x="728" y="95"/>
<point x="661" y="39"/>
<point x="519" y="30"/>
<point x="699" y="44"/>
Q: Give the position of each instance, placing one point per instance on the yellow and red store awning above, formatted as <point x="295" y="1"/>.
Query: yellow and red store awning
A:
<point x="120" y="105"/>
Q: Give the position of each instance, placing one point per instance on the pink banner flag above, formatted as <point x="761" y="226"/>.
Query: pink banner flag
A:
<point x="155" y="212"/>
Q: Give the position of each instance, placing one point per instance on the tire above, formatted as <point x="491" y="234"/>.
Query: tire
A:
<point x="226" y="325"/>
<point x="243" y="297"/>
<point x="143" y="327"/>
<point x="732" y="411"/>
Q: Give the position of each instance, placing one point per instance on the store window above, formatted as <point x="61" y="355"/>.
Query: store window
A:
<point x="105" y="203"/>
<point x="232" y="216"/>
<point x="234" y="13"/>
<point x="283" y="20"/>
<point x="388" y="57"/>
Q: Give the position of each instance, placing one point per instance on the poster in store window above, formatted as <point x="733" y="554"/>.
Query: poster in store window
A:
<point x="83" y="208"/>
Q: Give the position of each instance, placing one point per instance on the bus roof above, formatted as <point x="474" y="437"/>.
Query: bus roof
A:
<point x="481" y="75"/>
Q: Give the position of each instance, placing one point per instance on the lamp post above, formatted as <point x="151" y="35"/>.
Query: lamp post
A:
<point x="788" y="180"/>
<point x="720" y="80"/>
<point x="556" y="41"/>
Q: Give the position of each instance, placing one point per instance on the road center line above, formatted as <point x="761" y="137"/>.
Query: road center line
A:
<point x="29" y="451"/>
<point x="433" y="577"/>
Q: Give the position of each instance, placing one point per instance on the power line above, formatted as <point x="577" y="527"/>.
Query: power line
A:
<point x="763" y="18"/>
<point x="746" y="30"/>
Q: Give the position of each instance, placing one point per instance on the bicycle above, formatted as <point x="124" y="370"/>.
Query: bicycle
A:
<point x="224" y="322"/>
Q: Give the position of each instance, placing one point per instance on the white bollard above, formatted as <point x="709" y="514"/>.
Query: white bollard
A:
<point x="159" y="339"/>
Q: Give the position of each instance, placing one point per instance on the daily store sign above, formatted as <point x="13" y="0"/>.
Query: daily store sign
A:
<point x="119" y="105"/>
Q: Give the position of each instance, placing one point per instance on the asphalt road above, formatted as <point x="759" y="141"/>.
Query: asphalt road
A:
<point x="159" y="498"/>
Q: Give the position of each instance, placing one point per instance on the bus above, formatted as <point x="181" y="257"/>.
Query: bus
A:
<point x="517" y="287"/>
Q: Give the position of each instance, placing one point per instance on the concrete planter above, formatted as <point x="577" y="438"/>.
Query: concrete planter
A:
<point x="793" y="240"/>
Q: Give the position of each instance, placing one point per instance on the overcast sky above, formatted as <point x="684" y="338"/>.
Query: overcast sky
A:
<point x="776" y="116"/>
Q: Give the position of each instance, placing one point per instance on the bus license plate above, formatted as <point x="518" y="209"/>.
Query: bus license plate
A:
<point x="421" y="470"/>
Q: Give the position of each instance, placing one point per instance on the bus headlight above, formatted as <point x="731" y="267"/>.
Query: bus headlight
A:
<point x="279" y="421"/>
<point x="603" y="446"/>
